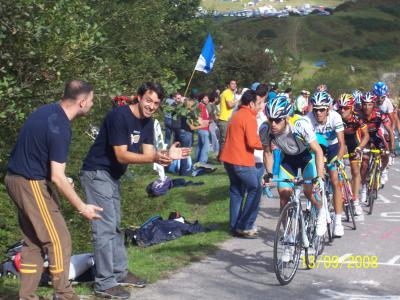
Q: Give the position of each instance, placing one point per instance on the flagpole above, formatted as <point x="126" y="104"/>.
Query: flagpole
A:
<point x="190" y="80"/>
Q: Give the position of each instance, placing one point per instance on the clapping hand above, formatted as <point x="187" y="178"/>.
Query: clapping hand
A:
<point x="177" y="153"/>
<point x="163" y="158"/>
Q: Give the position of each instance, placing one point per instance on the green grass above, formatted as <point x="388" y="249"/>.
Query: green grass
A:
<point x="207" y="203"/>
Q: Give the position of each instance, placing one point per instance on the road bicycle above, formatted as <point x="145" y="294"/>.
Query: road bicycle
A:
<point x="295" y="231"/>
<point x="348" y="199"/>
<point x="374" y="171"/>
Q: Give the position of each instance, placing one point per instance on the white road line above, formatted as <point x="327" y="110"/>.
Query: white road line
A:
<point x="384" y="199"/>
<point x="396" y="187"/>
<point x="344" y="257"/>
<point x="393" y="260"/>
<point x="396" y="196"/>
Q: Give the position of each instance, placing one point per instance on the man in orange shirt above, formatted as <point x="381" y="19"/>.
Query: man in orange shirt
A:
<point x="238" y="157"/>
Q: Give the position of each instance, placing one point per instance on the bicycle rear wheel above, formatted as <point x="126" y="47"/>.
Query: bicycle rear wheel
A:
<point x="287" y="244"/>
<point x="317" y="243"/>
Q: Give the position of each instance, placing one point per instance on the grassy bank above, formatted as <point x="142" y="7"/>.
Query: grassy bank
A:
<point x="207" y="203"/>
<point x="355" y="54"/>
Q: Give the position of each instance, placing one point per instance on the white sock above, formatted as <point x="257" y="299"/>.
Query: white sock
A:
<point x="338" y="219"/>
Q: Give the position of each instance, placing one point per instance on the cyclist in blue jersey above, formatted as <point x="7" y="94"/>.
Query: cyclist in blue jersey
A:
<point x="328" y="124"/>
<point x="296" y="141"/>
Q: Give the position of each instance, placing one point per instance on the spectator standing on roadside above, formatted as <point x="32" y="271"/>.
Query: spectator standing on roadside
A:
<point x="126" y="137"/>
<point x="188" y="127"/>
<point x="168" y="121"/>
<point x="238" y="157"/>
<point x="213" y="111"/>
<point x="203" y="140"/>
<point x="273" y="91"/>
<point x="38" y="158"/>
<point x="227" y="103"/>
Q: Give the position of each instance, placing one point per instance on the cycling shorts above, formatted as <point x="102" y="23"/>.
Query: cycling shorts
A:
<point x="352" y="142"/>
<point x="379" y="142"/>
<point x="331" y="153"/>
<point x="292" y="163"/>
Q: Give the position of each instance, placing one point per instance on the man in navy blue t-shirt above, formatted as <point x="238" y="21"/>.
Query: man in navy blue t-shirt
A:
<point x="126" y="137"/>
<point x="39" y="156"/>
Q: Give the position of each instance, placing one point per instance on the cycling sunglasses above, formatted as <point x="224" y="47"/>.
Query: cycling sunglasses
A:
<point x="276" y="121"/>
<point x="319" y="109"/>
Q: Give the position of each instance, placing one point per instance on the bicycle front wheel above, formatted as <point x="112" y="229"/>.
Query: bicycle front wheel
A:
<point x="349" y="204"/>
<point x="287" y="244"/>
<point x="373" y="191"/>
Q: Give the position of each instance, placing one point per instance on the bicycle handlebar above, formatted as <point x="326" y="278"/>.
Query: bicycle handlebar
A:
<point x="295" y="181"/>
<point x="377" y="151"/>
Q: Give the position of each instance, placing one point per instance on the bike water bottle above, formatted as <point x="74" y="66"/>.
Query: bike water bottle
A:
<point x="267" y="192"/>
<point x="277" y="161"/>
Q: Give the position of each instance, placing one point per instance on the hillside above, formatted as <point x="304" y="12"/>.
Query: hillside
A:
<point x="358" y="43"/>
<point x="226" y="5"/>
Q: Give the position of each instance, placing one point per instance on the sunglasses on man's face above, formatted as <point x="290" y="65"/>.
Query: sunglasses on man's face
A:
<point x="344" y="108"/>
<point x="276" y="121"/>
<point x="319" y="109"/>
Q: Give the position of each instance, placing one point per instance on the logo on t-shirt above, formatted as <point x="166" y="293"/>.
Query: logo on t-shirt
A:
<point x="135" y="138"/>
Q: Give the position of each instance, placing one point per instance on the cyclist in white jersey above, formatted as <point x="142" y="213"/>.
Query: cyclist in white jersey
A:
<point x="328" y="125"/>
<point x="385" y="105"/>
<point x="296" y="143"/>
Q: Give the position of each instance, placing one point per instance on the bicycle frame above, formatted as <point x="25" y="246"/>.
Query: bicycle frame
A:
<point x="295" y="197"/>
<point x="374" y="166"/>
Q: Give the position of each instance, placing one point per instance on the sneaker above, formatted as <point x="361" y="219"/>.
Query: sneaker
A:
<point x="363" y="196"/>
<point x="116" y="292"/>
<point x="384" y="177"/>
<point x="251" y="233"/>
<point x="287" y="254"/>
<point x="132" y="280"/>
<point x="357" y="208"/>
<point x="339" y="230"/>
<point x="391" y="160"/>
<point x="321" y="222"/>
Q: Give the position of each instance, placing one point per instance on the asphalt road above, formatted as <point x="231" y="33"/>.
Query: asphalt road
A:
<point x="243" y="268"/>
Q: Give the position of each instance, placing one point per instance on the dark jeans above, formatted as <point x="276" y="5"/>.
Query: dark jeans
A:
<point x="168" y="130"/>
<point x="186" y="140"/>
<point x="243" y="212"/>
<point x="223" y="127"/>
<point x="260" y="170"/>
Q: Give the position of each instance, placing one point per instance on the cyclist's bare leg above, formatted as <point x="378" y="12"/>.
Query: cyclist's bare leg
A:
<point x="385" y="161"/>
<point x="284" y="196"/>
<point x="355" y="177"/>
<point x="337" y="193"/>
<point x="308" y="192"/>
<point x="364" y="169"/>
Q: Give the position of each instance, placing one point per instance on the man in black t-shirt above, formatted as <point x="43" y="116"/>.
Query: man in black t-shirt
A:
<point x="126" y="137"/>
<point x="38" y="157"/>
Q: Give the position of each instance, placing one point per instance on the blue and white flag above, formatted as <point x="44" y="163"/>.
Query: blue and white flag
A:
<point x="207" y="57"/>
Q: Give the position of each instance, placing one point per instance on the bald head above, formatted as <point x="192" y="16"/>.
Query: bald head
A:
<point x="75" y="88"/>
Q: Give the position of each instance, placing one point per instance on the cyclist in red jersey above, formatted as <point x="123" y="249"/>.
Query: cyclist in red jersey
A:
<point x="356" y="138"/>
<point x="374" y="120"/>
